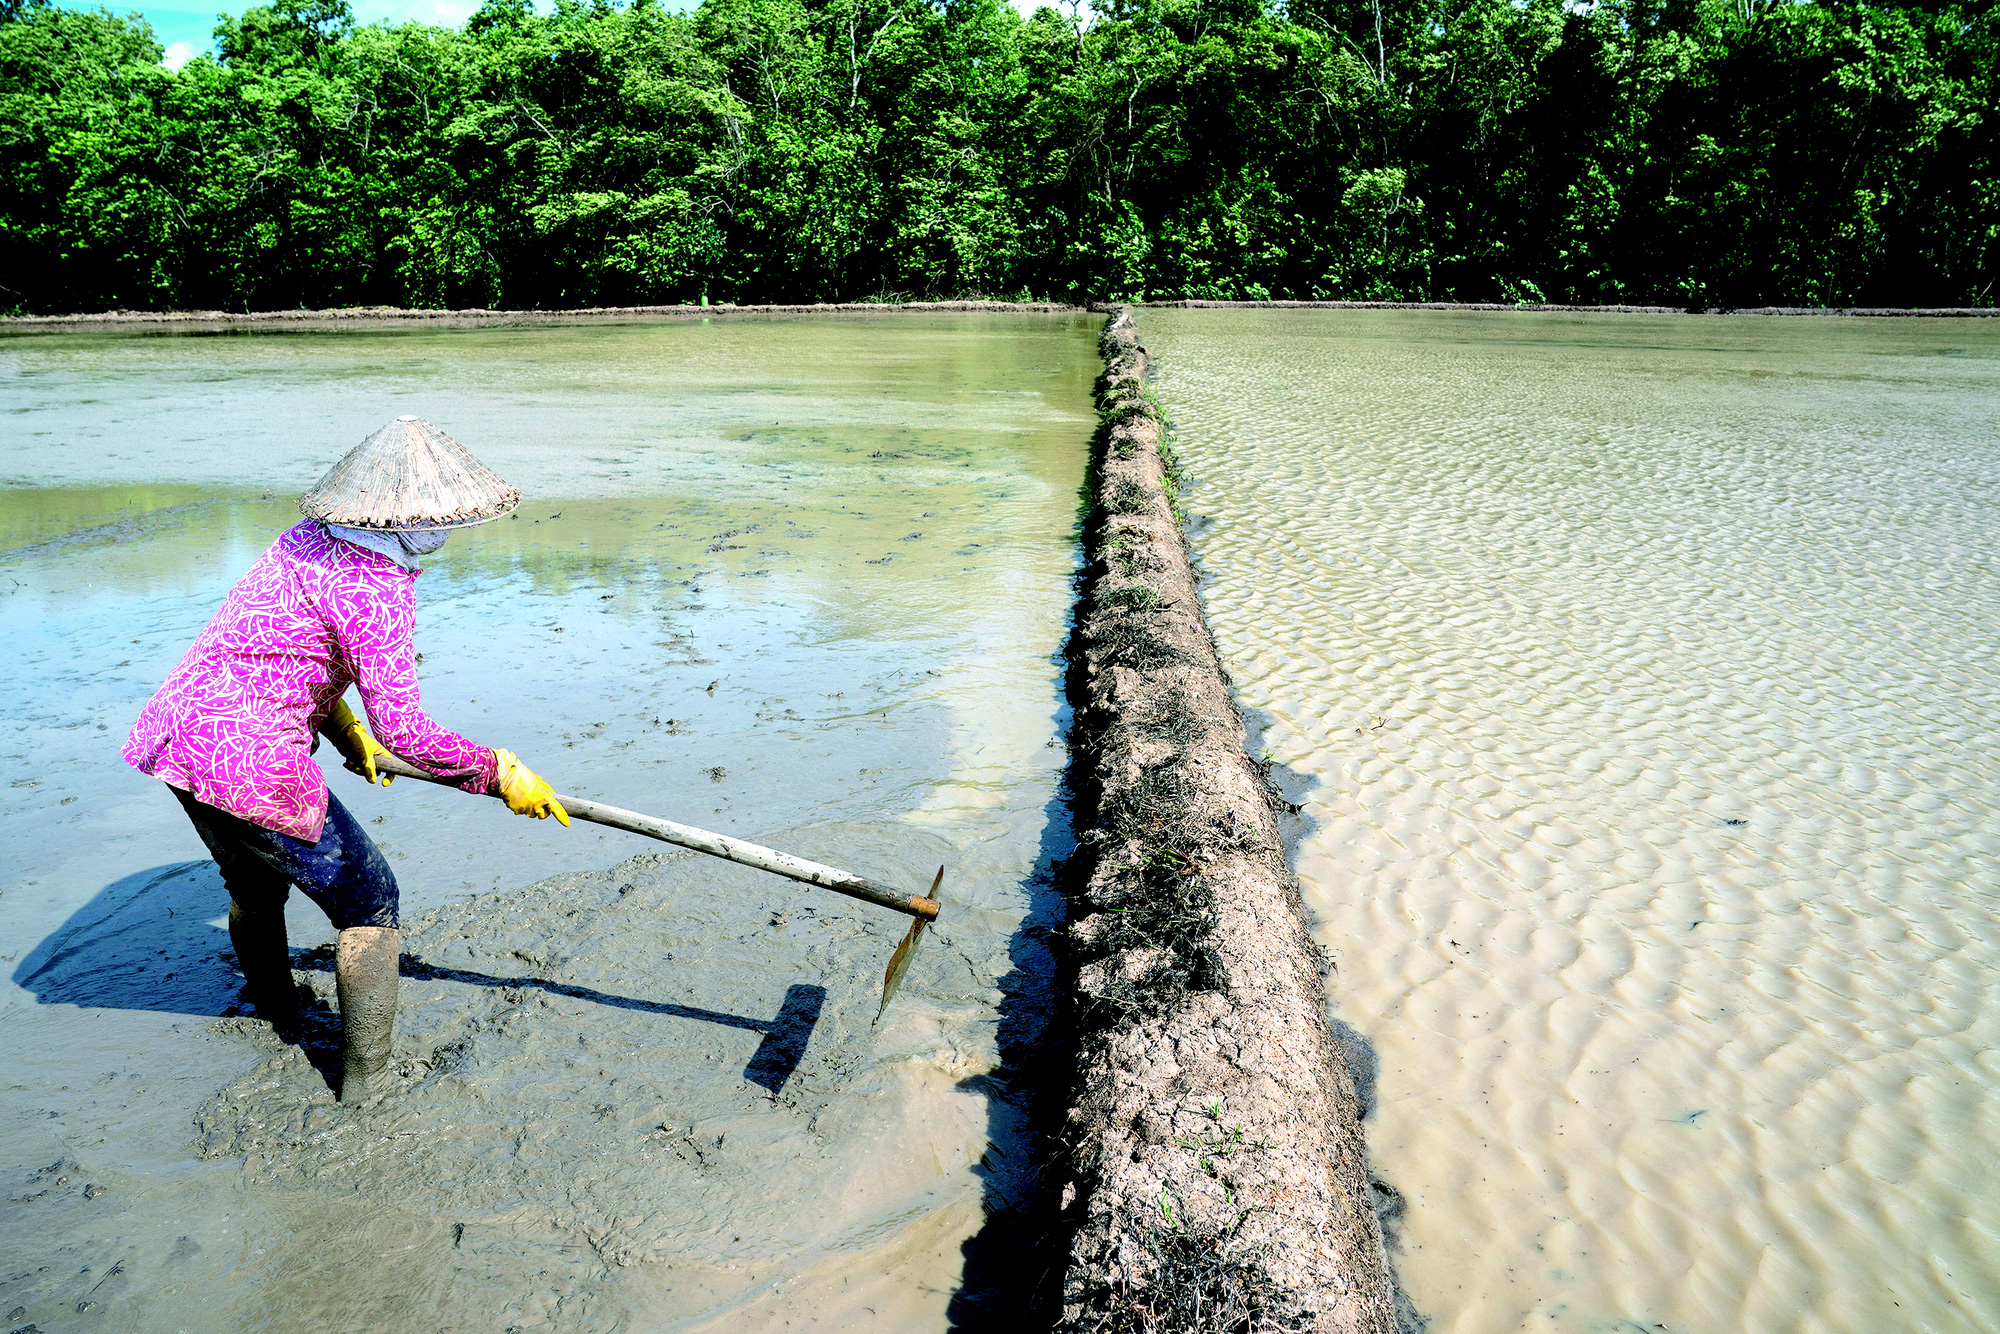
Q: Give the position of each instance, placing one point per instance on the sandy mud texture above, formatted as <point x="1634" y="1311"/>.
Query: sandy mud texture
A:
<point x="1550" y="308"/>
<point x="1213" y="1174"/>
<point x="364" y="317"/>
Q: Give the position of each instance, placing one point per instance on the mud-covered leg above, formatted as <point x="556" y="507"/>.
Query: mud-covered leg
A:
<point x="364" y="972"/>
<point x="265" y="958"/>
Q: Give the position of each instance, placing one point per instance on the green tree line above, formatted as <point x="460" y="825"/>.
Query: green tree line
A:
<point x="1686" y="152"/>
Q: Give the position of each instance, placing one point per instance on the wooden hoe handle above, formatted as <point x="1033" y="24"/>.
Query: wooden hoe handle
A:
<point x="716" y="845"/>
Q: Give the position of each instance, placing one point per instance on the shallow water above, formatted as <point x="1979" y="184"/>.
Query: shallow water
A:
<point x="802" y="581"/>
<point x="1645" y="670"/>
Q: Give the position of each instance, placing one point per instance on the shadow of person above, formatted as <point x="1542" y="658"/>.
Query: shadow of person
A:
<point x="153" y="941"/>
<point x="157" y="941"/>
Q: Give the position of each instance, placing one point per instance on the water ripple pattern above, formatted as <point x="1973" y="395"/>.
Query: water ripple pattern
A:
<point x="1644" y="669"/>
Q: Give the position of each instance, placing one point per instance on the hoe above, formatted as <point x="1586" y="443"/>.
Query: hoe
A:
<point x="922" y="907"/>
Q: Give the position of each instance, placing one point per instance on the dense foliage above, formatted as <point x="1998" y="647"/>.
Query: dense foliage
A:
<point x="1677" y="151"/>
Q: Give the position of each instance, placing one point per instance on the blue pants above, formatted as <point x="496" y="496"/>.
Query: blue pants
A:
<point x="344" y="873"/>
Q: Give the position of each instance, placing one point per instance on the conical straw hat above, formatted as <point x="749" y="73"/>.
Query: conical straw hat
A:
<point x="409" y="475"/>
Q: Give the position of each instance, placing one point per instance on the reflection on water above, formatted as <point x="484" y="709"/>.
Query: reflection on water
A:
<point x="1647" y="670"/>
<point x="801" y="581"/>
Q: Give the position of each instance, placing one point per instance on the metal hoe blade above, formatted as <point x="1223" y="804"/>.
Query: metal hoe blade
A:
<point x="899" y="962"/>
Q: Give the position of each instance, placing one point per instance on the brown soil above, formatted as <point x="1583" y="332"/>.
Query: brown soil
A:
<point x="362" y="317"/>
<point x="1213" y="1171"/>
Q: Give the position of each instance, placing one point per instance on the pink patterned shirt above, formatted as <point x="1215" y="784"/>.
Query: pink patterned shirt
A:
<point x="234" y="724"/>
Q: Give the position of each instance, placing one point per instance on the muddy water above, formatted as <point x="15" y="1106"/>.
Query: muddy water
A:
<point x="1645" y="674"/>
<point x="801" y="581"/>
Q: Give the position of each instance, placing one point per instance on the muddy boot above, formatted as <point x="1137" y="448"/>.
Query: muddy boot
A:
<point x="266" y="961"/>
<point x="364" y="972"/>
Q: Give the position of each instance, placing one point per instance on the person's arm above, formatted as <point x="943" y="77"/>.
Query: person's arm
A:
<point x="374" y="620"/>
<point x="375" y="624"/>
<point x="354" y="741"/>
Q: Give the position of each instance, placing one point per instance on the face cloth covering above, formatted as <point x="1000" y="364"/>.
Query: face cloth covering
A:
<point x="403" y="548"/>
<point x="425" y="542"/>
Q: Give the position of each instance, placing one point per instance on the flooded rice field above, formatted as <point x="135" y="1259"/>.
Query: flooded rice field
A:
<point x="803" y="581"/>
<point x="1644" y="672"/>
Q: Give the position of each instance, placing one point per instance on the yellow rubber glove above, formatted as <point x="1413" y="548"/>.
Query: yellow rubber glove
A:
<point x="353" y="740"/>
<point x="525" y="792"/>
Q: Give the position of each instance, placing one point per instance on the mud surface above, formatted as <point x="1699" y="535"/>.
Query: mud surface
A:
<point x="1214" y="1175"/>
<point x="805" y="587"/>
<point x="584" y="1122"/>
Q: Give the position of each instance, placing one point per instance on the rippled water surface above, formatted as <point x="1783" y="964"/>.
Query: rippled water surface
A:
<point x="1647" y="672"/>
<point x="801" y="581"/>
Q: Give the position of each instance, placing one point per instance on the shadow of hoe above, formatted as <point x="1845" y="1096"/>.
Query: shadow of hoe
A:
<point x="154" y="941"/>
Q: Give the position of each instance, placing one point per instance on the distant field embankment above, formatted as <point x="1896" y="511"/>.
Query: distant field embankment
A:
<point x="1212" y="1172"/>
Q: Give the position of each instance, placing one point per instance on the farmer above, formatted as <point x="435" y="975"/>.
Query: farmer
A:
<point x="331" y="604"/>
